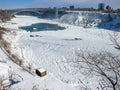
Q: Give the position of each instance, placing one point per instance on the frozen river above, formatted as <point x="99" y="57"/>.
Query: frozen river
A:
<point x="42" y="27"/>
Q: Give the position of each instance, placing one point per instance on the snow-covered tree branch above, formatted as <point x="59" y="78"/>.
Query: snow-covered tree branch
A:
<point x="115" y="38"/>
<point x="103" y="64"/>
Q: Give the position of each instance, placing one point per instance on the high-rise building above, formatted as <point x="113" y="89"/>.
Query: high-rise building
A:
<point x="72" y="7"/>
<point x="101" y="6"/>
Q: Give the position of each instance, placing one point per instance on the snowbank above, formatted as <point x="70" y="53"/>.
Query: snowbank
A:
<point x="53" y="50"/>
<point x="46" y="83"/>
<point x="92" y="19"/>
<point x="4" y="70"/>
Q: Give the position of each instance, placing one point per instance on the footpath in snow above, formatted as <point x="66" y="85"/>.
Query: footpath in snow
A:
<point x="16" y="68"/>
<point x="29" y="81"/>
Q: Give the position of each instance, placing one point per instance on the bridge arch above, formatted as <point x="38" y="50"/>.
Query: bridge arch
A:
<point x="28" y="12"/>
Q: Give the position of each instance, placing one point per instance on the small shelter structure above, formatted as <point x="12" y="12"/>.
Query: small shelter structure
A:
<point x="41" y="72"/>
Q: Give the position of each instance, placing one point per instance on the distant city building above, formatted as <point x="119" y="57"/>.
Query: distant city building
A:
<point x="101" y="6"/>
<point x="64" y="8"/>
<point x="72" y="7"/>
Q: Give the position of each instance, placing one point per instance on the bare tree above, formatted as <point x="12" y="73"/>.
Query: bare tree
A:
<point x="2" y="85"/>
<point x="4" y="15"/>
<point x="104" y="64"/>
<point x="115" y="38"/>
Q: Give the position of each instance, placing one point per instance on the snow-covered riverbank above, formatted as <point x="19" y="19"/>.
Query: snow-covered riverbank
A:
<point x="53" y="50"/>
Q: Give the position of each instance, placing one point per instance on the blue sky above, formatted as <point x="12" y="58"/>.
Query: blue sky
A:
<point x="56" y="3"/>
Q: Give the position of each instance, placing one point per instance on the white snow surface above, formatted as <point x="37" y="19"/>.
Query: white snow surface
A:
<point x="4" y="68"/>
<point x="92" y="19"/>
<point x="53" y="50"/>
<point x="48" y="82"/>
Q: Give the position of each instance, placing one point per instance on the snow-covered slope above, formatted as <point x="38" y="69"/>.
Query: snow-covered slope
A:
<point x="92" y="19"/>
<point x="4" y="70"/>
<point x="53" y="50"/>
<point x="25" y="81"/>
<point x="48" y="82"/>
